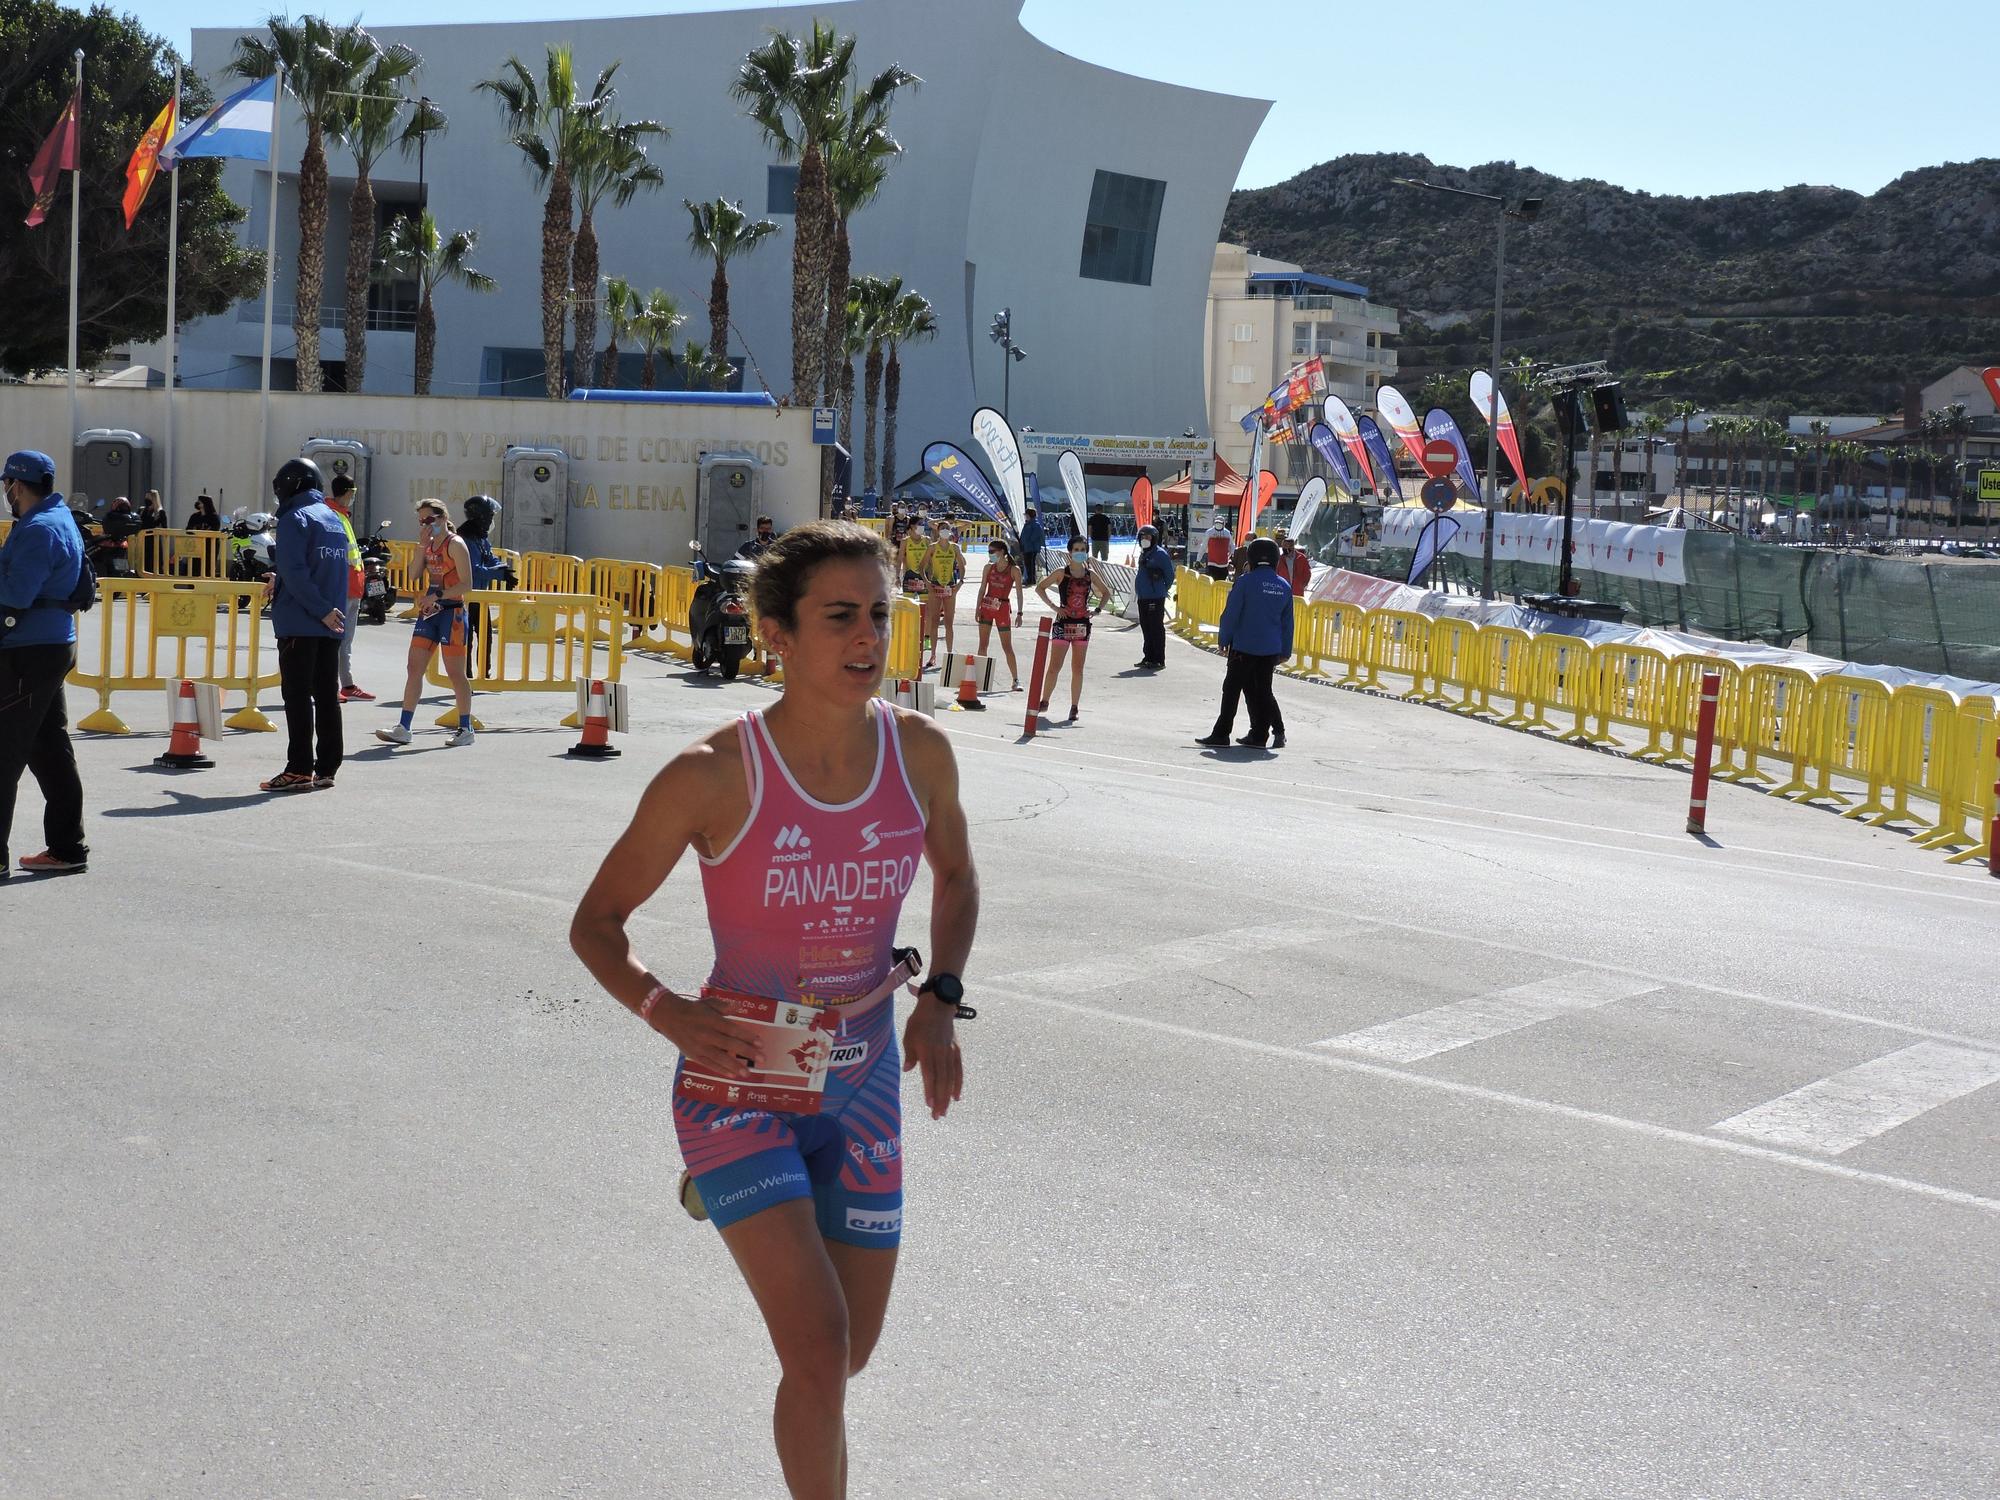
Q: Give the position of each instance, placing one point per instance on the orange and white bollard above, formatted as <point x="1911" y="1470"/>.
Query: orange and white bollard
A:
<point x="184" y="749"/>
<point x="968" y="683"/>
<point x="1704" y="752"/>
<point x="1035" y="677"/>
<point x="596" y="742"/>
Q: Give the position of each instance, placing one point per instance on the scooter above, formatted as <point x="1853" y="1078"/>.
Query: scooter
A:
<point x="719" y="613"/>
<point x="378" y="595"/>
<point x="250" y="537"/>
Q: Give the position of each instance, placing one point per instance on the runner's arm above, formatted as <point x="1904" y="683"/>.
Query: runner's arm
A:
<point x="461" y="555"/>
<point x="929" y="1039"/>
<point x="1042" y="588"/>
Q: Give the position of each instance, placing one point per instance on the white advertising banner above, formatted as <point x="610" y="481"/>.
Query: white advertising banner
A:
<point x="992" y="432"/>
<point x="1107" y="448"/>
<point x="1071" y="469"/>
<point x="1656" y="554"/>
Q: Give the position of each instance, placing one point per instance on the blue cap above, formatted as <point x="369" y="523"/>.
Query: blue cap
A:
<point x="29" y="465"/>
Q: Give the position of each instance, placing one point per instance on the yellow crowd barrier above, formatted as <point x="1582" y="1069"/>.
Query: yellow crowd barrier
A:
<point x="906" y="643"/>
<point x="1631" y="689"/>
<point x="405" y="568"/>
<point x="634" y="587"/>
<point x="1978" y="766"/>
<point x="1507" y="657"/>
<point x="150" y="632"/>
<point x="551" y="573"/>
<point x="6" y="525"/>
<point x="1398" y="641"/>
<point x="160" y="553"/>
<point x="543" y="643"/>
<point x="1851" y="738"/>
<point x="1456" y="666"/>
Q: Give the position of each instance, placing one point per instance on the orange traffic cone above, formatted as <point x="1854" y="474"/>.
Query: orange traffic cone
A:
<point x="596" y="742"/>
<point x="184" y="749"/>
<point x="968" y="683"/>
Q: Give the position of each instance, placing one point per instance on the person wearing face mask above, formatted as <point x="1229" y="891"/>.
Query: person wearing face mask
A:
<point x="999" y="579"/>
<point x="1084" y="592"/>
<point x="1153" y="580"/>
<point x="308" y="593"/>
<point x="441" y="624"/>
<point x="943" y="573"/>
<point x="1256" y="633"/>
<point x="759" y="544"/>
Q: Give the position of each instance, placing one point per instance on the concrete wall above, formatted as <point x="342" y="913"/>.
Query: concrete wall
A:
<point x="632" y="470"/>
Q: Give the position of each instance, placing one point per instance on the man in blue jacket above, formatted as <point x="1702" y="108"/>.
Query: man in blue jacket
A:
<point x="1153" y="581"/>
<point x="39" y="569"/>
<point x="1256" y="631"/>
<point x="308" y="611"/>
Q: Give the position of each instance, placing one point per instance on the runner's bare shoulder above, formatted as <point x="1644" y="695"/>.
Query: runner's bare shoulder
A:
<point x="926" y="753"/>
<point x="702" y="792"/>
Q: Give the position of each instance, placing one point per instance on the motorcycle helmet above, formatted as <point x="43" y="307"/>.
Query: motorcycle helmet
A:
<point x="1263" y="553"/>
<point x="294" y="477"/>
<point x="481" y="511"/>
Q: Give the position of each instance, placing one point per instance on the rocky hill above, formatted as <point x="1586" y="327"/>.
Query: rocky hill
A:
<point x="1800" y="299"/>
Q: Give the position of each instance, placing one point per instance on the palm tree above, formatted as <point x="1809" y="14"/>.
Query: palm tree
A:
<point x="799" y="91"/>
<point x="654" y="322"/>
<point x="1822" y="433"/>
<point x="698" y="365"/>
<point x="547" y="119"/>
<point x="621" y="305"/>
<point x="722" y="231"/>
<point x="1953" y="426"/>
<point x="373" y="124"/>
<point x="1652" y="426"/>
<point x="857" y="164"/>
<point x="413" y="250"/>
<point x="610" y="162"/>
<point x="1682" y="412"/>
<point x="911" y="320"/>
<point x="323" y="65"/>
<point x="1439" y="390"/>
<point x="876" y="295"/>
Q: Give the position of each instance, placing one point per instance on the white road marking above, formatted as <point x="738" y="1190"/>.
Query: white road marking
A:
<point x="1434" y="1084"/>
<point x="1176" y="956"/>
<point x="1836" y="1114"/>
<point x="1411" y="1039"/>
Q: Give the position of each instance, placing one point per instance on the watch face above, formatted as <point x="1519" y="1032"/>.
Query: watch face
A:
<point x="947" y="988"/>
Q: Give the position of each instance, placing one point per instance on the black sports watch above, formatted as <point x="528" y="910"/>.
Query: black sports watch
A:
<point x="949" y="989"/>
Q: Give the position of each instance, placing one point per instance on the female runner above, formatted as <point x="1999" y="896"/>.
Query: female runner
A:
<point x="943" y="573"/>
<point x="1079" y="580"/>
<point x="999" y="579"/>
<point x="808" y="819"/>
<point x="441" y="624"/>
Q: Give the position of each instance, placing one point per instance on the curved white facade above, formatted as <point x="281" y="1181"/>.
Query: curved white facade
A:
<point x="987" y="208"/>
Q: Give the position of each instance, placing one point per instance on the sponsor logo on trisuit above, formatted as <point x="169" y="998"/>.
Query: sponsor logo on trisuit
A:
<point x="870" y="837"/>
<point x="847" y="1054"/>
<point x="872" y="1222"/>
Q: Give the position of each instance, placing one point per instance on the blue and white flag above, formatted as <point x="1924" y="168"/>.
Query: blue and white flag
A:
<point x="240" y="126"/>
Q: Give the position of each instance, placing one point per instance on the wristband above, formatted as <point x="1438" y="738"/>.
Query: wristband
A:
<point x="654" y="996"/>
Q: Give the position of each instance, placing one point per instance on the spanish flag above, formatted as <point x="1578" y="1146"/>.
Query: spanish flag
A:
<point x="145" y="163"/>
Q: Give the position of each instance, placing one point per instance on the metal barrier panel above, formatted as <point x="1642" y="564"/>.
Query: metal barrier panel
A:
<point x="1632" y="689"/>
<point x="1917" y="754"/>
<point x="1198" y="601"/>
<point x="1455" y="662"/>
<point x="551" y="573"/>
<point x="1680" y="707"/>
<point x="179" y="554"/>
<point x="1506" y="669"/>
<point x="634" y="587"/>
<point x="1562" y="678"/>
<point x="139" y="623"/>
<point x="906" y="650"/>
<point x="405" y="568"/>
<point x="1314" y="628"/>
<point x="544" y="643"/>
<point x="1348" y="643"/>
<point x="676" y="597"/>
<point x="1851" y="738"/>
<point x="1777" y="720"/>
<point x="1397" y="642"/>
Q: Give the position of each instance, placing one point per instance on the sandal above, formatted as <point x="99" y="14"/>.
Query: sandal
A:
<point x="287" y="781"/>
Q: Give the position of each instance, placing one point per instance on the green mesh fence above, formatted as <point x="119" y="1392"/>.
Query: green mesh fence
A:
<point x="1928" y="616"/>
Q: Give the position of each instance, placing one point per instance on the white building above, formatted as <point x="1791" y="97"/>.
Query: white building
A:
<point x="1085" y="199"/>
<point x="1264" y="317"/>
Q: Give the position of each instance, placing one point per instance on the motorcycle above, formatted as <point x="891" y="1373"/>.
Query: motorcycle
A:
<point x="107" y="555"/>
<point x="378" y="595"/>
<point x="250" y="538"/>
<point x="719" y="613"/>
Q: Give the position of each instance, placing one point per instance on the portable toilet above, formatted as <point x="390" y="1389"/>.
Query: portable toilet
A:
<point x="109" y="462"/>
<point x="534" y="500"/>
<point x="337" y="456"/>
<point x="731" y="487"/>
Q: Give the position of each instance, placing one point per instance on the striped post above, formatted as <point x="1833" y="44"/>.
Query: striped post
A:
<point x="1704" y="752"/>
<point x="1035" y="678"/>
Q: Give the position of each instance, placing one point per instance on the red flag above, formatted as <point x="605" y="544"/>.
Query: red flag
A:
<point x="1257" y="494"/>
<point x="145" y="163"/>
<point x="1142" y="500"/>
<point x="58" y="154"/>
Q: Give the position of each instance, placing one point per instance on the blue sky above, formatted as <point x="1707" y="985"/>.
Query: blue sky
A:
<point x="1706" y="96"/>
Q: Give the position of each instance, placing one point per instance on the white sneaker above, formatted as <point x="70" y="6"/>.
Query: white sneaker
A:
<point x="463" y="737"/>
<point x="395" y="734"/>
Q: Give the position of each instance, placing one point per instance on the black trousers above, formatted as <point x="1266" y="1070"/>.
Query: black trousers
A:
<point x="1153" y="628"/>
<point x="309" y="682"/>
<point x="1249" y="677"/>
<point x="34" y="736"/>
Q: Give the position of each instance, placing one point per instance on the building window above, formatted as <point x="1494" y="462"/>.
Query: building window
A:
<point x="781" y="190"/>
<point x="1241" y="375"/>
<point x="1119" y="234"/>
<point x="1298" y="462"/>
<point x="1243" y="333"/>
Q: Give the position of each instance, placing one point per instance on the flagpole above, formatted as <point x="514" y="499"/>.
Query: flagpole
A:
<point x="270" y="279"/>
<point x="75" y="239"/>
<point x="173" y="266"/>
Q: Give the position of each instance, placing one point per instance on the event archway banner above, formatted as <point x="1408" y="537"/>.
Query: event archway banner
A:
<point x="1489" y="403"/>
<point x="1003" y="450"/>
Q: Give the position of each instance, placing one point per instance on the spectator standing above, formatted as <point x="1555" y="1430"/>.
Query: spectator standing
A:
<point x="204" y="517"/>
<point x="1034" y="541"/>
<point x="41" y="565"/>
<point x="1100" y="535"/>
<point x="489" y="570"/>
<point x="1256" y="631"/>
<point x="1153" y="573"/>
<point x="1217" y="545"/>
<point x="152" y="515"/>
<point x="340" y="500"/>
<point x="1293" y="565"/>
<point x="308" y="591"/>
<point x="759" y="544"/>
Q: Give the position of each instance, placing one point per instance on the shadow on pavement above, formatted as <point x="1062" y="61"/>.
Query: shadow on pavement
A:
<point x="185" y="804"/>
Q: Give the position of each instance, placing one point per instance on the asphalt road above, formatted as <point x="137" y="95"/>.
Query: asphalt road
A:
<point x="1415" y="1112"/>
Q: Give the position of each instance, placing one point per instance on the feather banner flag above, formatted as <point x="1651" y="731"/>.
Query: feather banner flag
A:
<point x="1142" y="501"/>
<point x="1485" y="398"/>
<point x="1071" y="469"/>
<point x="1378" y="449"/>
<point x="1328" y="448"/>
<point x="1310" y="500"/>
<point x="1253" y="505"/>
<point x="1003" y="450"/>
<point x="1435" y="537"/>
<point x="953" y="467"/>
<point x="1401" y="420"/>
<point x="1341" y="420"/>
<point x="1438" y="423"/>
